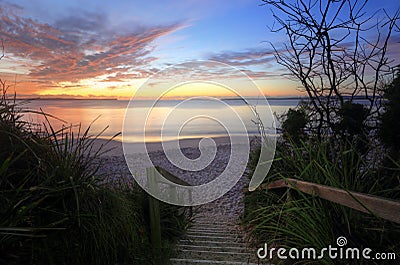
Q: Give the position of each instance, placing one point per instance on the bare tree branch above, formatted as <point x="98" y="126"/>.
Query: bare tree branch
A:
<point x="337" y="51"/>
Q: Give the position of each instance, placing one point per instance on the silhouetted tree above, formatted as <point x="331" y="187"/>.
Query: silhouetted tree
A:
<point x="389" y="129"/>
<point x="352" y="118"/>
<point x="294" y="124"/>
<point x="338" y="52"/>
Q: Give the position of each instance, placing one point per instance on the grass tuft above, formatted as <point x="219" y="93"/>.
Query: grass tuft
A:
<point x="292" y="219"/>
<point x="56" y="208"/>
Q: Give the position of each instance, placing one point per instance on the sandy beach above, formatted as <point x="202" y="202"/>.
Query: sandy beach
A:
<point x="115" y="147"/>
<point x="227" y="207"/>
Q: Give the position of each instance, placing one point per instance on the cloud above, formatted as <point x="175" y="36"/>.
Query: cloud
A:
<point x="250" y="57"/>
<point x="85" y="22"/>
<point x="260" y="63"/>
<point x="257" y="63"/>
<point x="79" y="46"/>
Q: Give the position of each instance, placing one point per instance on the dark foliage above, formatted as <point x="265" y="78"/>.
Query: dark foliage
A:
<point x="294" y="124"/>
<point x="389" y="130"/>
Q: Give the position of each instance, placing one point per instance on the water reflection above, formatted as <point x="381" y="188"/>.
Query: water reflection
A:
<point x="110" y="113"/>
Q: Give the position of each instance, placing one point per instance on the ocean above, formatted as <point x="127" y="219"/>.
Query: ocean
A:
<point x="166" y="120"/>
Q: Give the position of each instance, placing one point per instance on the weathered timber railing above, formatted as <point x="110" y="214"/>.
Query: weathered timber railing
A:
<point x="382" y="207"/>
<point x="154" y="204"/>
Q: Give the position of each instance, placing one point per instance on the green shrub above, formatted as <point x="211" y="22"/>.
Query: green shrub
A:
<point x="352" y="118"/>
<point x="389" y="129"/>
<point x="290" y="218"/>
<point x="294" y="124"/>
<point x="56" y="208"/>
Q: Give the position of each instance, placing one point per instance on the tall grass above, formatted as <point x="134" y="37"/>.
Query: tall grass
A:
<point x="290" y="218"/>
<point x="55" y="207"/>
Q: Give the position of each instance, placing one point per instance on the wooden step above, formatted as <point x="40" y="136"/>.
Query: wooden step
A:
<point x="213" y="242"/>
<point x="216" y="255"/>
<point x="176" y="261"/>
<point x="206" y="243"/>
<point x="211" y="247"/>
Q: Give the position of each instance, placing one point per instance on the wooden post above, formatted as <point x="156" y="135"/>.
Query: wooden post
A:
<point x="173" y="193"/>
<point x="190" y="200"/>
<point x="154" y="212"/>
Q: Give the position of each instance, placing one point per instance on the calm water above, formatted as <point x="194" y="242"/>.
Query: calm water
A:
<point x="110" y="113"/>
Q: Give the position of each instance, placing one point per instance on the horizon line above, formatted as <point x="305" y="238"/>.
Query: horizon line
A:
<point x="148" y="98"/>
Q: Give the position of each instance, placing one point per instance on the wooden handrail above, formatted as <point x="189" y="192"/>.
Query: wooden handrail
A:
<point x="382" y="207"/>
<point x="171" y="177"/>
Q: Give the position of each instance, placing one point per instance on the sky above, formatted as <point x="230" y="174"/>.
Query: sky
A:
<point x="108" y="49"/>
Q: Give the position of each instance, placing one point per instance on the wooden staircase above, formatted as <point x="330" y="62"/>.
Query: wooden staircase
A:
<point x="214" y="242"/>
<point x="213" y="238"/>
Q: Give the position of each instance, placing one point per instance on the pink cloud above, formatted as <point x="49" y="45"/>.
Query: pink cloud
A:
<point x="78" y="47"/>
